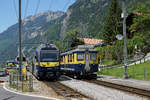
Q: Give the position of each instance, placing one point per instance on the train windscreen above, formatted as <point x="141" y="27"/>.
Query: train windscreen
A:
<point x="46" y="56"/>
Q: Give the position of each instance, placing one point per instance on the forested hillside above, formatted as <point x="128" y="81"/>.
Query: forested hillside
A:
<point x="86" y="16"/>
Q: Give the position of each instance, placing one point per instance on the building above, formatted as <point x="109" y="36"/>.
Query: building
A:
<point x="91" y="41"/>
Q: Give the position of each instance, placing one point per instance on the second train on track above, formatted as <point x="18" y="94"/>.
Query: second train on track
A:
<point x="81" y="62"/>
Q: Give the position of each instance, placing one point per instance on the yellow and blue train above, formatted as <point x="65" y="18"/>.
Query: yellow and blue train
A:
<point x="45" y="63"/>
<point x="81" y="62"/>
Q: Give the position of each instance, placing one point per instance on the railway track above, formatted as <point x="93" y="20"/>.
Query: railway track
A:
<point x="125" y="88"/>
<point x="66" y="91"/>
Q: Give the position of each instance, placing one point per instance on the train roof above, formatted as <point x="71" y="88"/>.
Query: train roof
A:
<point x="47" y="47"/>
<point x="81" y="48"/>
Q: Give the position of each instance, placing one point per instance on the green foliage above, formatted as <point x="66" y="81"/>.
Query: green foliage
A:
<point x="72" y="38"/>
<point x="142" y="20"/>
<point x="87" y="16"/>
<point x="141" y="25"/>
<point x="59" y="45"/>
<point x="53" y="32"/>
<point x="112" y="26"/>
<point x="101" y="51"/>
<point x="115" y="51"/>
<point x="108" y="62"/>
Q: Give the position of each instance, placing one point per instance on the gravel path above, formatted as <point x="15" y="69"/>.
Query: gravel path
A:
<point x="99" y="92"/>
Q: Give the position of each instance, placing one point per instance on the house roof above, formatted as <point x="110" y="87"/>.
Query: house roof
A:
<point x="92" y="41"/>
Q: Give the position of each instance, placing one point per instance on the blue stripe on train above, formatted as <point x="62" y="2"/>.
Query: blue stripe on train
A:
<point x="78" y="67"/>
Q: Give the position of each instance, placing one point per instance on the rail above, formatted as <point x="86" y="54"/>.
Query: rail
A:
<point x="126" y="88"/>
<point x="65" y="91"/>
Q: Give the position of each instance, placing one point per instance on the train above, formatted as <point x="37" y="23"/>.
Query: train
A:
<point x="45" y="62"/>
<point x="10" y="65"/>
<point x="81" y="62"/>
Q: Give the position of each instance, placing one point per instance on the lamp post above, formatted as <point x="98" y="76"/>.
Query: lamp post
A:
<point x="125" y="76"/>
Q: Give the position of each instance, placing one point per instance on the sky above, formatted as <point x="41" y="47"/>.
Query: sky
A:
<point x="9" y="9"/>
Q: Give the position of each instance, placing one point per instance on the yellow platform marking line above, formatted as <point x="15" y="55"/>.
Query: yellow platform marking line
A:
<point x="19" y="93"/>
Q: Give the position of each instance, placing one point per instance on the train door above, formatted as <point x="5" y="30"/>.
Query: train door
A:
<point x="87" y="67"/>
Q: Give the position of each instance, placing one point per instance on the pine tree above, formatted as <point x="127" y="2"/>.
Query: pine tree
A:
<point x="112" y="26"/>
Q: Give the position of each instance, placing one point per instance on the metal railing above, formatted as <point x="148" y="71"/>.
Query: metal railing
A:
<point x="25" y="84"/>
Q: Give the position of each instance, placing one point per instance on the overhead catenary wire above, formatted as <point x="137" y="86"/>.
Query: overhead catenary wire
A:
<point x="50" y="5"/>
<point x="26" y="7"/>
<point x="14" y="5"/>
<point x="37" y="7"/>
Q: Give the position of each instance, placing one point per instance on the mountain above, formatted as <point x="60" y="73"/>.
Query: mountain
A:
<point x="87" y="16"/>
<point x="33" y="28"/>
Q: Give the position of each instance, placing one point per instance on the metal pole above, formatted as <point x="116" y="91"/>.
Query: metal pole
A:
<point x="20" y="55"/>
<point x="125" y="76"/>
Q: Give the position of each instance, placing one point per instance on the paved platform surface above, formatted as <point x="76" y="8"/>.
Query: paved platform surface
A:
<point x="6" y="95"/>
<point x="129" y="82"/>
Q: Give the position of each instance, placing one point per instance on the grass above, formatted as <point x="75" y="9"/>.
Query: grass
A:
<point x="25" y="87"/>
<point x="108" y="62"/>
<point x="13" y="85"/>
<point x="139" y="71"/>
<point x="11" y="71"/>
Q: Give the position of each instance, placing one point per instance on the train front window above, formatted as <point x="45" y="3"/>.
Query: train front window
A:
<point x="93" y="56"/>
<point x="48" y="56"/>
<point x="80" y="56"/>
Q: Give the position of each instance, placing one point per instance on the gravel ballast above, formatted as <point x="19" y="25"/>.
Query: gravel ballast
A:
<point x="99" y="92"/>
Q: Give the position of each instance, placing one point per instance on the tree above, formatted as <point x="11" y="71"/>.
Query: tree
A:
<point x="141" y="25"/>
<point x="59" y="45"/>
<point x="142" y="20"/>
<point x="72" y="38"/>
<point x="112" y="26"/>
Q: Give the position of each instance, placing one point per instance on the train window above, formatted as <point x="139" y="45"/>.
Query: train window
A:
<point x="93" y="56"/>
<point x="61" y="59"/>
<point x="80" y="56"/>
<point x="70" y="58"/>
<point x="65" y="59"/>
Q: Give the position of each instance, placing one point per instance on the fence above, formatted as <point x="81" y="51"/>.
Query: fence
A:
<point x="129" y="63"/>
<point x="22" y="83"/>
